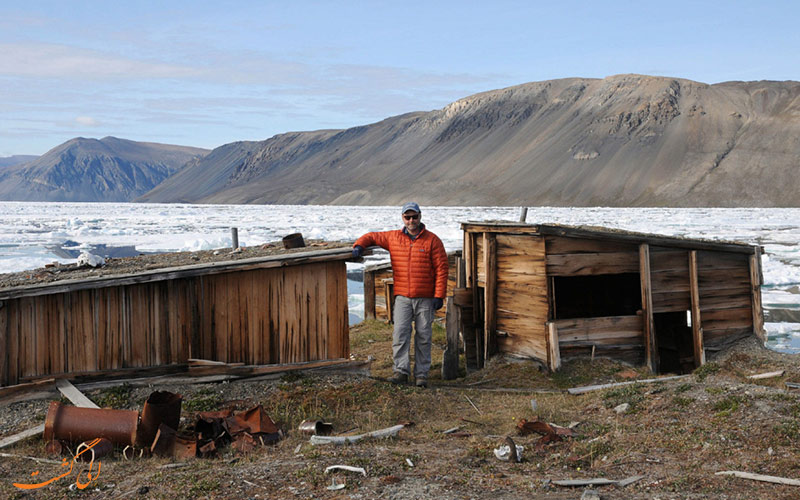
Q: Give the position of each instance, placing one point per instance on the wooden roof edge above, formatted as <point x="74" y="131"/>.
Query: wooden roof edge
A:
<point x="271" y="261"/>
<point x="598" y="232"/>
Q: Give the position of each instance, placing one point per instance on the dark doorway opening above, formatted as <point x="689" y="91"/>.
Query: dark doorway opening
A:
<point x="596" y="296"/>
<point x="674" y="341"/>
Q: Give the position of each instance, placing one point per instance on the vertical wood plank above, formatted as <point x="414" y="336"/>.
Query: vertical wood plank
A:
<point x="697" y="325"/>
<point x="126" y="332"/>
<point x="4" y="349"/>
<point x="41" y="316"/>
<point x="28" y="338"/>
<point x="369" y="295"/>
<point x="755" y="293"/>
<point x="344" y="315"/>
<point x="450" y="355"/>
<point x="12" y="308"/>
<point x="650" y="347"/>
<point x="553" y="349"/>
<point x="490" y="294"/>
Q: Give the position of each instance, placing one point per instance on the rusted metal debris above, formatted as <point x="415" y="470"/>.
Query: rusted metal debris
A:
<point x="96" y="450"/>
<point x="315" y="427"/>
<point x="245" y="430"/>
<point x="71" y="423"/>
<point x="157" y="432"/>
<point x="161" y="407"/>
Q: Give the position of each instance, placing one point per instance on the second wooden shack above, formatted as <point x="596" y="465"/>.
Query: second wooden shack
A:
<point x="552" y="292"/>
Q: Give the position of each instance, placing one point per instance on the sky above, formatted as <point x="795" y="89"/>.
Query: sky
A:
<point x="207" y="73"/>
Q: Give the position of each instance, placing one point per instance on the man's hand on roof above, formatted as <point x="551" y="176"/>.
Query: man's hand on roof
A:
<point x="358" y="251"/>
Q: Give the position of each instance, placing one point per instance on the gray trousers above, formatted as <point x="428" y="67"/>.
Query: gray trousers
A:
<point x="420" y="311"/>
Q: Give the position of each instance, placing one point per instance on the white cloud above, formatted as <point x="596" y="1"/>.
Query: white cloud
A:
<point x="87" y="121"/>
<point x="61" y="61"/>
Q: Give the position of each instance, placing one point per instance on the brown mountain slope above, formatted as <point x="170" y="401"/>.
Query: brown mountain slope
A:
<point x="108" y="169"/>
<point x="625" y="140"/>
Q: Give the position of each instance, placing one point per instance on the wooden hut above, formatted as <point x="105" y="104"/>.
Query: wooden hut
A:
<point x="285" y="308"/>
<point x="379" y="284"/>
<point x="553" y="292"/>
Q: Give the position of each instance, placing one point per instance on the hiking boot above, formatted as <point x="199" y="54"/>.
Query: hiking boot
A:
<point x="399" y="378"/>
<point x="422" y="383"/>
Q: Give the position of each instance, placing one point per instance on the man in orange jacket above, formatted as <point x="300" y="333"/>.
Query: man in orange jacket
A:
<point x="419" y="266"/>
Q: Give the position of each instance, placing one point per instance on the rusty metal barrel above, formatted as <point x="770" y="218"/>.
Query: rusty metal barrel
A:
<point x="161" y="407"/>
<point x="75" y="424"/>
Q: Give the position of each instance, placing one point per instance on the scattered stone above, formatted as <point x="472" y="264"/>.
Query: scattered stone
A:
<point x="621" y="409"/>
<point x="590" y="495"/>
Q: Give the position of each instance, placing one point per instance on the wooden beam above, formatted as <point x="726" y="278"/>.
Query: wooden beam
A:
<point x="15" y="438"/>
<point x="450" y="355"/>
<point x="490" y="294"/>
<point x="73" y="394"/>
<point x="755" y="292"/>
<point x="697" y="325"/>
<point x="553" y="349"/>
<point x="760" y="477"/>
<point x="600" y="233"/>
<point x="477" y="312"/>
<point x="590" y="388"/>
<point x="650" y="346"/>
<point x="369" y="294"/>
<point x="388" y="292"/>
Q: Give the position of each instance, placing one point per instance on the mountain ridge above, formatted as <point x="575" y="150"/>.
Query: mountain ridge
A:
<point x="625" y="140"/>
<point x="86" y="169"/>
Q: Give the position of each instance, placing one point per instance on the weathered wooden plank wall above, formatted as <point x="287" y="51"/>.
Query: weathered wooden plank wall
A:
<point x="259" y="316"/>
<point x="619" y="337"/>
<point x="521" y="303"/>
<point x="725" y="296"/>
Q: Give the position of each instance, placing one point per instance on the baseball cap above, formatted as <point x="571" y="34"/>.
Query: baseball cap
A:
<point x="410" y="206"/>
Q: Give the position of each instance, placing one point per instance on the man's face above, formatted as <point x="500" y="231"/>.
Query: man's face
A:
<point x="411" y="221"/>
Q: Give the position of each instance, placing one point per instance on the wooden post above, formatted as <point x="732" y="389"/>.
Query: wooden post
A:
<point x="369" y="294"/>
<point x="523" y="214"/>
<point x="450" y="355"/>
<point x="234" y="238"/>
<point x="477" y="312"/>
<point x="553" y="350"/>
<point x="650" y="345"/>
<point x="4" y="350"/>
<point x="490" y="294"/>
<point x="697" y="330"/>
<point x="755" y="292"/>
<point x="388" y="291"/>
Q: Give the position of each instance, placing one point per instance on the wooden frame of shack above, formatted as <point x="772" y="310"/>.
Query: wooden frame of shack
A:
<point x="552" y="292"/>
<point x="288" y="308"/>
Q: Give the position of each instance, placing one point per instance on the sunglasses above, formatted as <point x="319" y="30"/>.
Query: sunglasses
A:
<point x="411" y="217"/>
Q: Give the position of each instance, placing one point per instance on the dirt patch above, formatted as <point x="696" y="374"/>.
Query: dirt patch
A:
<point x="676" y="434"/>
<point x="147" y="262"/>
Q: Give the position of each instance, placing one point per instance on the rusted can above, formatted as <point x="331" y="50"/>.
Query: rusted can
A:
<point x="315" y="427"/>
<point x="161" y="407"/>
<point x="87" y="451"/>
<point x="294" y="240"/>
<point x="75" y="424"/>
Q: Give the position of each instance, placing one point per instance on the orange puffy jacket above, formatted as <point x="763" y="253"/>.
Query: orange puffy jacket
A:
<point x="419" y="265"/>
